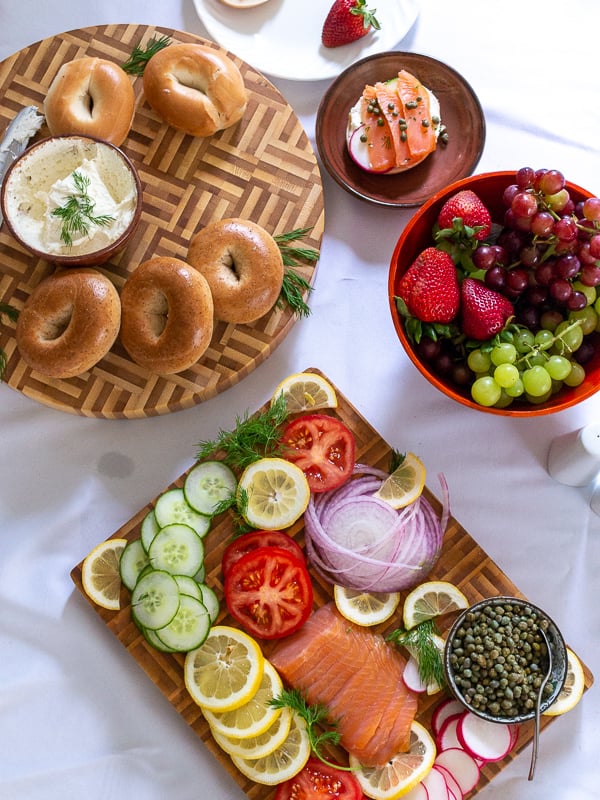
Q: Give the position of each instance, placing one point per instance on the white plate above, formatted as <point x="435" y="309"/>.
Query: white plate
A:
<point x="283" y="37"/>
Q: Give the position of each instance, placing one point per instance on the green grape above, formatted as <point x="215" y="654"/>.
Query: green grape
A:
<point x="569" y="337"/>
<point x="535" y="359"/>
<point x="506" y="375"/>
<point x="597" y="306"/>
<point x="576" y="376"/>
<point x="516" y="390"/>
<point x="478" y="361"/>
<point x="537" y="400"/>
<point x="588" y="291"/>
<point x="503" y="353"/>
<point x="588" y="317"/>
<point x="504" y="401"/>
<point x="485" y="391"/>
<point x="544" y="339"/>
<point x="536" y="381"/>
<point x="524" y="340"/>
<point x="558" y="367"/>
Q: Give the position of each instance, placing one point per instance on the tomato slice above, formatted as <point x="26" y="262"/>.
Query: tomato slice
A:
<point x="318" y="781"/>
<point x="253" y="539"/>
<point x="323" y="447"/>
<point x="269" y="592"/>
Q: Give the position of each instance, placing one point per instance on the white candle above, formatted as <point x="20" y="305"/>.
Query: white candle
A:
<point x="574" y="458"/>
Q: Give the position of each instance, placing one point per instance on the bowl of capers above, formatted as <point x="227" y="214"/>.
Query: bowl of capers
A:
<point x="496" y="659"/>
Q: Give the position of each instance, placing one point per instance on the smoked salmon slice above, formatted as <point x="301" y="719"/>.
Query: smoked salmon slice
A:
<point x="357" y="676"/>
<point x="420" y="133"/>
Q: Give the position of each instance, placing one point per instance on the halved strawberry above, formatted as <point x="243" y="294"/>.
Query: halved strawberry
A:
<point x="347" y="21"/>
<point x="484" y="312"/>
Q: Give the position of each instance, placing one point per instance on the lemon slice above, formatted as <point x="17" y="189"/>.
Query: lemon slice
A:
<point x="284" y="762"/>
<point x="365" y="608"/>
<point x="257" y="746"/>
<point x="402" y="772"/>
<point x="225" y="671"/>
<point x="573" y="689"/>
<point x="306" y="391"/>
<point x="255" y="715"/>
<point x="431" y="599"/>
<point x="101" y="576"/>
<point x="405" y="484"/>
<point x="277" y="493"/>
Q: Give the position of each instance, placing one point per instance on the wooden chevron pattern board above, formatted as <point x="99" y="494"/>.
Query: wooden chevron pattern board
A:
<point x="263" y="169"/>
<point x="462" y="562"/>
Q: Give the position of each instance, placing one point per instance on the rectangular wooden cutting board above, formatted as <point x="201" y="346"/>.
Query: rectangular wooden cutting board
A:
<point x="462" y="562"/>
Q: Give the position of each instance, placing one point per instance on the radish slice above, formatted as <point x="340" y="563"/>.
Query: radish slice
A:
<point x="447" y="708"/>
<point x="448" y="736"/>
<point x="359" y="151"/>
<point x="418" y="792"/>
<point x="437" y="788"/>
<point x="411" y="676"/>
<point x="453" y="787"/>
<point x="489" y="741"/>
<point x="461" y="766"/>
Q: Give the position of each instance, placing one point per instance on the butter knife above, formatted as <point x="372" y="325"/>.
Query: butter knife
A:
<point x="16" y="138"/>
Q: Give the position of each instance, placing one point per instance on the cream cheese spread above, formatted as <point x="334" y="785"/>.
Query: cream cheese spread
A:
<point x="44" y="181"/>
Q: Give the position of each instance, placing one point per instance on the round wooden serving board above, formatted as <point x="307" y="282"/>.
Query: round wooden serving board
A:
<point x="263" y="169"/>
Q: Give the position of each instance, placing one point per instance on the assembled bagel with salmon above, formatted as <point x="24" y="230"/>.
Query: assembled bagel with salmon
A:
<point x="394" y="126"/>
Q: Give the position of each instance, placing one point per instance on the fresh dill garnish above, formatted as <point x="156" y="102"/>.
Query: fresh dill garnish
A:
<point x="237" y="502"/>
<point x="12" y="313"/>
<point x="77" y="213"/>
<point x="253" y="437"/>
<point x="315" y="717"/>
<point x="295" y="286"/>
<point x="136" y="63"/>
<point x="396" y="458"/>
<point x="419" y="641"/>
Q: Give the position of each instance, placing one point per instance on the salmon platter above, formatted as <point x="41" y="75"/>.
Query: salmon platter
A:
<point x="342" y="666"/>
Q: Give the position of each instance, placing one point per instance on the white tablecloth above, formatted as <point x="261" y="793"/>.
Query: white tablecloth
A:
<point x="78" y="717"/>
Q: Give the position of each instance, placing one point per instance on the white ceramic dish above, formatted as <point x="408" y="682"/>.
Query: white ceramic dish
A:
<point x="283" y="37"/>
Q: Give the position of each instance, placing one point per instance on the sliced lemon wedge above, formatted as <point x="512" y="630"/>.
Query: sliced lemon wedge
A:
<point x="405" y="484"/>
<point x="100" y="574"/>
<point x="306" y="391"/>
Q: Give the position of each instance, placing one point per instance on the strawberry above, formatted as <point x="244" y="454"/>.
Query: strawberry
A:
<point x="467" y="206"/>
<point x="429" y="287"/>
<point x="347" y="21"/>
<point x="484" y="312"/>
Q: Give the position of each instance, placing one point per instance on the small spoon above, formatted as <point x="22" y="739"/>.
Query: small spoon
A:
<point x="536" y="734"/>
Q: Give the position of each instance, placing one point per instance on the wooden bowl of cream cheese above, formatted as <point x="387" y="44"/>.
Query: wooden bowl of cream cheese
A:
<point x="72" y="200"/>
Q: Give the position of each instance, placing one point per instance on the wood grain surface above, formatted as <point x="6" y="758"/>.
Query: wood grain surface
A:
<point x="263" y="169"/>
<point x="462" y="562"/>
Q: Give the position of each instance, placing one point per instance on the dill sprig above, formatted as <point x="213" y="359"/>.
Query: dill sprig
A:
<point x="396" y="458"/>
<point x="252" y="438"/>
<point x="136" y="63"/>
<point x="419" y="641"/>
<point x="237" y="503"/>
<point x="295" y="286"/>
<point x="77" y="213"/>
<point x="315" y="717"/>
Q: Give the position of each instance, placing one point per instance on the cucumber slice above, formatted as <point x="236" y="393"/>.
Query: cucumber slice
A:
<point x="154" y="599"/>
<point x="177" y="549"/>
<point x="188" y="586"/>
<point x="152" y="638"/>
<point x="200" y="576"/>
<point x="208" y="484"/>
<point x="133" y="560"/>
<point x="149" y="529"/>
<point x="172" y="507"/>
<point x="211" y="601"/>
<point x="189" y="627"/>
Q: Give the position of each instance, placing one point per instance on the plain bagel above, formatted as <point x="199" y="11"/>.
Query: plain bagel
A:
<point x="195" y="88"/>
<point x="90" y="97"/>
<point x="243" y="266"/>
<point x="69" y="322"/>
<point x="166" y="315"/>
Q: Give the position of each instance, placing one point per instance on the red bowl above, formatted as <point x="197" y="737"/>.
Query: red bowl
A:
<point x="417" y="235"/>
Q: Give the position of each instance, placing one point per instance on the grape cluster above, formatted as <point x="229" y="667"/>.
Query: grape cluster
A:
<point x="546" y="259"/>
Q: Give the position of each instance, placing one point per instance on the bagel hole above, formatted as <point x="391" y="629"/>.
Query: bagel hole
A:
<point x="228" y="261"/>
<point x="158" y="313"/>
<point x="53" y="328"/>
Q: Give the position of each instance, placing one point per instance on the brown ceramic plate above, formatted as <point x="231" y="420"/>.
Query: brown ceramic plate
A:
<point x="461" y="113"/>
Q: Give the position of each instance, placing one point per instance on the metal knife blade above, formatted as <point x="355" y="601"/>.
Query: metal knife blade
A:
<point x="16" y="138"/>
